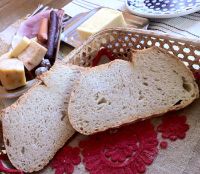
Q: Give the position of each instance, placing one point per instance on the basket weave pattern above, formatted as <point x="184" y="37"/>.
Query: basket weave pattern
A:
<point x="122" y="40"/>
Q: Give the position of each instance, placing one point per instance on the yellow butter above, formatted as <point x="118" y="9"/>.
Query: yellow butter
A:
<point x="32" y="55"/>
<point x="104" y="18"/>
<point x="20" y="47"/>
<point x="12" y="74"/>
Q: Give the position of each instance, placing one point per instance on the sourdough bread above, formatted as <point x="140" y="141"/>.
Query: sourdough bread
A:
<point x="37" y="125"/>
<point x="120" y="92"/>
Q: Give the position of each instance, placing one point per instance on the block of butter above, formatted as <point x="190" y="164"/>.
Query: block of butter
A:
<point x="103" y="18"/>
<point x="32" y="55"/>
<point x="12" y="74"/>
<point x="22" y="44"/>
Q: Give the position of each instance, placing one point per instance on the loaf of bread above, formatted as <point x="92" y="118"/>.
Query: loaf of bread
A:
<point x="37" y="125"/>
<point x="121" y="92"/>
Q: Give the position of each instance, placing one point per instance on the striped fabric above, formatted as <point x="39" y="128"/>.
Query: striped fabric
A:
<point x="80" y="6"/>
<point x="188" y="25"/>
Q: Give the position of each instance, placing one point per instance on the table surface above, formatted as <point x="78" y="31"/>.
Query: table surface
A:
<point x="187" y="162"/>
<point x="11" y="10"/>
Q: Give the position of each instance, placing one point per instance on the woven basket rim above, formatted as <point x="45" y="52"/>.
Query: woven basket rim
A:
<point x="190" y="41"/>
<point x="187" y="40"/>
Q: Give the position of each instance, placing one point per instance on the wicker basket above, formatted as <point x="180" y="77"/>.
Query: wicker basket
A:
<point x="122" y="40"/>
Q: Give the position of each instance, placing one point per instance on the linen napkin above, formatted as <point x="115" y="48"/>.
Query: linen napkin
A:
<point x="80" y="6"/>
<point x="188" y="25"/>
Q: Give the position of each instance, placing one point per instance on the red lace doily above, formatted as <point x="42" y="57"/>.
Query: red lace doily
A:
<point x="197" y="76"/>
<point x="103" y="52"/>
<point x="6" y="169"/>
<point x="65" y="160"/>
<point x="127" y="151"/>
<point x="173" y="127"/>
<point x="163" y="145"/>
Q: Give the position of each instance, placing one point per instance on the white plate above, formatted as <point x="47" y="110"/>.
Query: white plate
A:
<point x="162" y="8"/>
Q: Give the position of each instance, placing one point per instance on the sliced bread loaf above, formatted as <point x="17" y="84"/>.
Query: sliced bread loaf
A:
<point x="121" y="92"/>
<point x="37" y="125"/>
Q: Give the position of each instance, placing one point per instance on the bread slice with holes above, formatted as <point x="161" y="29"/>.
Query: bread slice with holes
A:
<point x="121" y="92"/>
<point x="37" y="125"/>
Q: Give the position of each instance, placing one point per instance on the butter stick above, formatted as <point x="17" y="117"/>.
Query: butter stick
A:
<point x="104" y="18"/>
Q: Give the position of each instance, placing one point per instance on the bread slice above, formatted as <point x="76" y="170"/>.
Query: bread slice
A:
<point x="37" y="125"/>
<point x="121" y="92"/>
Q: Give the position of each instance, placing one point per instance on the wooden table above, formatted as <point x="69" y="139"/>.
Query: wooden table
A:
<point x="11" y="10"/>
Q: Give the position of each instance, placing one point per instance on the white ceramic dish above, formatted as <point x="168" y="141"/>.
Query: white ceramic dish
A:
<point x="162" y="8"/>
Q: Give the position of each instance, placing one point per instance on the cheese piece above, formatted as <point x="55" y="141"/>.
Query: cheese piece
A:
<point x="32" y="55"/>
<point x="20" y="47"/>
<point x="12" y="74"/>
<point x="104" y="18"/>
